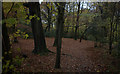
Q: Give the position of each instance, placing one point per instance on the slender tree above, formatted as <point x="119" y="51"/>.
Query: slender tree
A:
<point x="56" y="37"/>
<point x="60" y="22"/>
<point x="77" y="20"/>
<point x="49" y="17"/>
<point x="14" y="27"/>
<point x="111" y="29"/>
<point x="73" y="17"/>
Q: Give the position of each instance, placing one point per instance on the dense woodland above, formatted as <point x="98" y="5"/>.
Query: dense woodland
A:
<point x="61" y="37"/>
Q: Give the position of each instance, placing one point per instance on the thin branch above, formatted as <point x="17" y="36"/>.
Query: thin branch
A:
<point x="10" y="9"/>
<point x="81" y="9"/>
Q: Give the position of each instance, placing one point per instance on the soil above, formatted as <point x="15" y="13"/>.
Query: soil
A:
<point x="75" y="57"/>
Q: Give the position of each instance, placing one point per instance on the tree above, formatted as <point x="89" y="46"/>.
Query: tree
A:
<point x="73" y="17"/>
<point x="37" y="29"/>
<point x="77" y="24"/>
<point x="77" y="20"/>
<point x="14" y="27"/>
<point x="84" y="33"/>
<point x="60" y="22"/>
<point x="5" y="42"/>
<point x="13" y="12"/>
<point x="111" y="29"/>
<point x="56" y="36"/>
<point x="109" y="12"/>
<point x="49" y="16"/>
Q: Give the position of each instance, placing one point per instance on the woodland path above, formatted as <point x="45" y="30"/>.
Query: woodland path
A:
<point x="76" y="57"/>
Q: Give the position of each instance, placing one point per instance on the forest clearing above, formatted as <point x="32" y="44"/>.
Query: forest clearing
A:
<point x="63" y="37"/>
<point x="76" y="57"/>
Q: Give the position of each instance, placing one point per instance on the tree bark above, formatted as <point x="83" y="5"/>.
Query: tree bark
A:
<point x="56" y="37"/>
<point x="60" y="20"/>
<point x="49" y="18"/>
<point x="5" y="44"/>
<point x="5" y="38"/>
<point x="111" y="30"/>
<point x="37" y="29"/>
<point x="73" y="18"/>
<point x="77" y="22"/>
<point x="110" y="38"/>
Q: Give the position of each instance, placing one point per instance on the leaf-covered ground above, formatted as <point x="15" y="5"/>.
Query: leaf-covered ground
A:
<point x="76" y="57"/>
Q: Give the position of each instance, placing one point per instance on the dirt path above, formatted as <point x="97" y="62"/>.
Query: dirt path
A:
<point x="78" y="57"/>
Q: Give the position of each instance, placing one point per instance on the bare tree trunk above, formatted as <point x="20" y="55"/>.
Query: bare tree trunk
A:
<point x="110" y="38"/>
<point x="60" y="20"/>
<point x="49" y="18"/>
<point x="37" y="29"/>
<point x="111" y="30"/>
<point x="73" y="18"/>
<point x="95" y="43"/>
<point x="5" y="44"/>
<point x="56" y="37"/>
<point x="77" y="24"/>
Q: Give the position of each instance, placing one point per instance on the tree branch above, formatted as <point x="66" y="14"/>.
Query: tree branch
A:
<point x="10" y="9"/>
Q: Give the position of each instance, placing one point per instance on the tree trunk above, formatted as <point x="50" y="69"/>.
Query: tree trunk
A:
<point x="118" y="46"/>
<point x="49" y="18"/>
<point x="5" y="39"/>
<point x="37" y="29"/>
<point x="60" y="20"/>
<point x="111" y="30"/>
<point x="73" y="19"/>
<point x="84" y="33"/>
<point x="77" y="24"/>
<point x="116" y="27"/>
<point x="95" y="43"/>
<point x="56" y="37"/>
<point x="5" y="45"/>
<point x="110" y="38"/>
<point x="14" y="28"/>
<point x="67" y="29"/>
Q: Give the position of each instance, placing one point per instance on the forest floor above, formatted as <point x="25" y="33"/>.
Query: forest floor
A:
<point x="76" y="57"/>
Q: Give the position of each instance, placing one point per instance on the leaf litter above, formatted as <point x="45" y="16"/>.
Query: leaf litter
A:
<point x="76" y="57"/>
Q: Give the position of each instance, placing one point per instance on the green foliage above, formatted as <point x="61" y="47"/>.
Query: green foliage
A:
<point x="70" y="34"/>
<point x="19" y="33"/>
<point x="24" y="35"/>
<point x="7" y="67"/>
<point x="18" y="49"/>
<point x="12" y="17"/>
<point x="31" y="17"/>
<point x="28" y="21"/>
<point x="10" y="22"/>
<point x="52" y="33"/>
<point x="17" y="61"/>
<point x="10" y="65"/>
<point x="91" y="37"/>
<point x="116" y="53"/>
